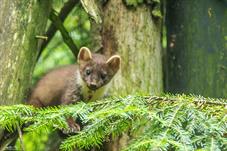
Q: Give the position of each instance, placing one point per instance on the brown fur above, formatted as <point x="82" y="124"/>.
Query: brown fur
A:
<point x="72" y="83"/>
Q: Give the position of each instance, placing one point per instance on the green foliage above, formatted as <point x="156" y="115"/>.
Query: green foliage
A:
<point x="156" y="123"/>
<point x="34" y="141"/>
<point x="13" y="115"/>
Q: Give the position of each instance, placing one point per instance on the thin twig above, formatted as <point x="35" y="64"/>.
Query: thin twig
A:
<point x="20" y="137"/>
<point x="41" y="37"/>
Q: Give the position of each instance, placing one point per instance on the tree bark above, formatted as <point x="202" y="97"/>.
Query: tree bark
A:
<point x="20" y="23"/>
<point x="197" y="47"/>
<point x="135" y="36"/>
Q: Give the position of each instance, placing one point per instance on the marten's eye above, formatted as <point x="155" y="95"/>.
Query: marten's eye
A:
<point x="103" y="76"/>
<point x="88" y="71"/>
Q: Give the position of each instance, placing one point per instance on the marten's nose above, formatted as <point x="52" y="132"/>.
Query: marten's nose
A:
<point x="93" y="86"/>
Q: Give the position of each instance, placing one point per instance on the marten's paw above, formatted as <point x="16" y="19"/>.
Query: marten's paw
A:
<point x="73" y="127"/>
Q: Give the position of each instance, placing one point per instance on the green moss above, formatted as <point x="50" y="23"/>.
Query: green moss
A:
<point x="153" y="4"/>
<point x="25" y="20"/>
<point x="133" y="3"/>
<point x="156" y="12"/>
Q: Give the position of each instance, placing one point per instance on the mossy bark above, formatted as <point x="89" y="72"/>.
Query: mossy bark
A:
<point x="20" y="22"/>
<point x="135" y="36"/>
<point x="197" y="47"/>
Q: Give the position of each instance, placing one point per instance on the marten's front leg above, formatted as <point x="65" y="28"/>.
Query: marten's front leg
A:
<point x="70" y="97"/>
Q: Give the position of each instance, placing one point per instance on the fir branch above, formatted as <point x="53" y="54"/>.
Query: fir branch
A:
<point x="176" y="122"/>
<point x="195" y="99"/>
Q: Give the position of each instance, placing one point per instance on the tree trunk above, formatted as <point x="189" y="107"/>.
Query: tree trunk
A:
<point x="20" y="23"/>
<point x="197" y="47"/>
<point x="135" y="36"/>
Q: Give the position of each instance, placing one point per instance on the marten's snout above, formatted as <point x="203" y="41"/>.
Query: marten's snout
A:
<point x="93" y="86"/>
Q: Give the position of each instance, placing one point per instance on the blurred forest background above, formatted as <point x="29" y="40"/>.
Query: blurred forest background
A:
<point x="57" y="53"/>
<point x="167" y="46"/>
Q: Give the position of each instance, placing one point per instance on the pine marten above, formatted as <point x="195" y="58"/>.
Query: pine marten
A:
<point x="86" y="81"/>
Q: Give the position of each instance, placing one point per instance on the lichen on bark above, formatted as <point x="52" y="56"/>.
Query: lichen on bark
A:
<point x="20" y="22"/>
<point x="134" y="35"/>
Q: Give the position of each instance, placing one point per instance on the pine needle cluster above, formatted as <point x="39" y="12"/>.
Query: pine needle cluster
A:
<point x="170" y="122"/>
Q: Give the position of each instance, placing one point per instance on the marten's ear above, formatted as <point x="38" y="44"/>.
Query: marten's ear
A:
<point x="84" y="54"/>
<point x="114" y="62"/>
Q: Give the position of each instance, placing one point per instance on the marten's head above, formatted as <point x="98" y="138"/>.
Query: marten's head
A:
<point x="95" y="69"/>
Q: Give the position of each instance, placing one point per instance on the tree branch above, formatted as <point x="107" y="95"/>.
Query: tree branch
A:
<point x="37" y="118"/>
<point x="66" y="9"/>
<point x="65" y="35"/>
